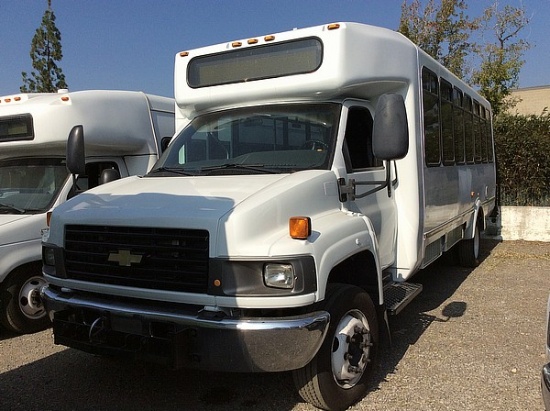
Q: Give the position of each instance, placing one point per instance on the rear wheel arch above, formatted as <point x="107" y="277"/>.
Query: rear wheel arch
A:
<point x="477" y="221"/>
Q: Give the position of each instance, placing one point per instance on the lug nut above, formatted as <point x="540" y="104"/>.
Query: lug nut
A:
<point x="353" y="369"/>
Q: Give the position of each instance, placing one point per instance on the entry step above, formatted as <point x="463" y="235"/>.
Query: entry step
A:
<point x="398" y="295"/>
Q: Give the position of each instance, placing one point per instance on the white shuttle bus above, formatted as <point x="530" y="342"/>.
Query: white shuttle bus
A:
<point x="320" y="170"/>
<point x="124" y="132"/>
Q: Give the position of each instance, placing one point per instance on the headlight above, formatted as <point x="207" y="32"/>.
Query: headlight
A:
<point x="48" y="256"/>
<point x="279" y="276"/>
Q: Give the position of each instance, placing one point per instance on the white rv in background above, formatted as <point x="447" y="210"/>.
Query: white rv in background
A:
<point x="124" y="132"/>
<point x="320" y="170"/>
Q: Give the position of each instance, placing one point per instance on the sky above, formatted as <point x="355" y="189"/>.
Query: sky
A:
<point x="131" y="44"/>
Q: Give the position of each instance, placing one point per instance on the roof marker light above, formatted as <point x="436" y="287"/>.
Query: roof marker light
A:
<point x="333" y="26"/>
<point x="269" y="38"/>
<point x="184" y="54"/>
<point x="236" y="44"/>
<point x="252" y="41"/>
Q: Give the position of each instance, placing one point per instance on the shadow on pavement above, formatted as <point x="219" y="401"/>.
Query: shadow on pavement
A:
<point x="440" y="280"/>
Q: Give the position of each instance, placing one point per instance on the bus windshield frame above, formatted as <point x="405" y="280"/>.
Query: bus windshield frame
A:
<point x="250" y="140"/>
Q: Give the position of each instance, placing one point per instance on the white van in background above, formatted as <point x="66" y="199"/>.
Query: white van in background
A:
<point x="124" y="132"/>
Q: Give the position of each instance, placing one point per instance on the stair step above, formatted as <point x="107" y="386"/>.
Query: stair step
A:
<point x="398" y="295"/>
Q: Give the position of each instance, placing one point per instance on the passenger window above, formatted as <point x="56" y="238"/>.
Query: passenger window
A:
<point x="458" y="123"/>
<point x="447" y="136"/>
<point x="358" y="140"/>
<point x="469" y="129"/>
<point x="432" y="131"/>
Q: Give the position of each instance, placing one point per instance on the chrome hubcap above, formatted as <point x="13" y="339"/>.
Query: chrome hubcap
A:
<point x="351" y="349"/>
<point x="29" y="298"/>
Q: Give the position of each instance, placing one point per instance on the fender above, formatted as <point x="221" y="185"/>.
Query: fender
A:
<point x="15" y="255"/>
<point x="472" y="223"/>
<point x="343" y="235"/>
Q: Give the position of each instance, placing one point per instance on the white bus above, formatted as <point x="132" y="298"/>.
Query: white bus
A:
<point x="320" y="170"/>
<point x="124" y="131"/>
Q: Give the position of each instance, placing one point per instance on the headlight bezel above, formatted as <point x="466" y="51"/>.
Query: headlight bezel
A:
<point x="246" y="278"/>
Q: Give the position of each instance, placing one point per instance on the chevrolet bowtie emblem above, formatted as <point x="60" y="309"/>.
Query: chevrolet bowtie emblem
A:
<point x="125" y="258"/>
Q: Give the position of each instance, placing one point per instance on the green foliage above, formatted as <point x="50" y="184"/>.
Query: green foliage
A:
<point x="45" y="52"/>
<point x="522" y="145"/>
<point x="444" y="31"/>
<point x="501" y="61"/>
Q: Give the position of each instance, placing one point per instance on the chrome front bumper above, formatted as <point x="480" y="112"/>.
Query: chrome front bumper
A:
<point x="183" y="336"/>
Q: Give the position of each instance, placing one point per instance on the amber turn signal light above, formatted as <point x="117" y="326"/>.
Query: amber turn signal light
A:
<point x="299" y="227"/>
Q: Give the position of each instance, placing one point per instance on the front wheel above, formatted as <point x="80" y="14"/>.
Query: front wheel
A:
<point x="338" y="375"/>
<point x="22" y="310"/>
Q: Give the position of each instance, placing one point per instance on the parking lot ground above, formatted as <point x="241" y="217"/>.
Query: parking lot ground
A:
<point x="472" y="340"/>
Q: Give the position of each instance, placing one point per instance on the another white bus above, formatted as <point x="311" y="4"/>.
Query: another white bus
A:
<point x="124" y="130"/>
<point x="320" y="170"/>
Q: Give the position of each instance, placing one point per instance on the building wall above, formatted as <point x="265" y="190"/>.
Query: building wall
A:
<point x="532" y="100"/>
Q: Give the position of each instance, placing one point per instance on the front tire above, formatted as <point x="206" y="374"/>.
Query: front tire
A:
<point x="339" y="374"/>
<point x="468" y="250"/>
<point x="22" y="311"/>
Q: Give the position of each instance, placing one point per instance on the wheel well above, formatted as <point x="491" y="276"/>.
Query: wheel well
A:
<point x="481" y="219"/>
<point x="478" y="220"/>
<point x="32" y="266"/>
<point x="359" y="270"/>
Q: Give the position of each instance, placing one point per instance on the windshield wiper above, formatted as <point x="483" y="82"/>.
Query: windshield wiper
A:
<point x="175" y="170"/>
<point x="248" y="167"/>
<point x="13" y="208"/>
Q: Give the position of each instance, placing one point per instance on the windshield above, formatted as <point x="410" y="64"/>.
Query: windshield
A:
<point x="252" y="140"/>
<point x="30" y="185"/>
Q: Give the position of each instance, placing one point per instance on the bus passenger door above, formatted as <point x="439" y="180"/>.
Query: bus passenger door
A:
<point x="369" y="173"/>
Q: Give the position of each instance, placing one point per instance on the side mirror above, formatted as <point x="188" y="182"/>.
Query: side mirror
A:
<point x="390" y="140"/>
<point x="76" y="161"/>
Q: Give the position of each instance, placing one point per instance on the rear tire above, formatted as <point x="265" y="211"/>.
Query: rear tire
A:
<point x="468" y="250"/>
<point x="22" y="311"/>
<point x="338" y="376"/>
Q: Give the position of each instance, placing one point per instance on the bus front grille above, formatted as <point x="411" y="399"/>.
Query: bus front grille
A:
<point x="152" y="258"/>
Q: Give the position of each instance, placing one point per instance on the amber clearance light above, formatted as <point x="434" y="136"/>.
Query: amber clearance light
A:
<point x="299" y="227"/>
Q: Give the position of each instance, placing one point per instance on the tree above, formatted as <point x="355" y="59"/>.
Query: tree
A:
<point x="501" y="60"/>
<point x="45" y="52"/>
<point x="441" y="30"/>
<point x="445" y="32"/>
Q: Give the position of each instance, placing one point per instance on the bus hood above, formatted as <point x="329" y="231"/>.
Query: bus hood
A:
<point x="255" y="206"/>
<point x="17" y="228"/>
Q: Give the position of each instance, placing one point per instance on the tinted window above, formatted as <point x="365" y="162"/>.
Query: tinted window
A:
<point x="255" y="63"/>
<point x="430" y="99"/>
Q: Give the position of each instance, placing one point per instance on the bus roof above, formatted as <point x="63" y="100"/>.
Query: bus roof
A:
<point x="357" y="60"/>
<point x="350" y="59"/>
<point x="113" y="121"/>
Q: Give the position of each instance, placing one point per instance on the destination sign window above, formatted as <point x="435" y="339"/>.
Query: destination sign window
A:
<point x="256" y="63"/>
<point x="14" y="128"/>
